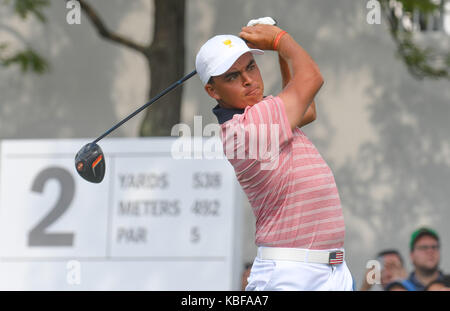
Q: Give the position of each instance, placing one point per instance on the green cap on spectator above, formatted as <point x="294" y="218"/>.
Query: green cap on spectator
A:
<point x="421" y="232"/>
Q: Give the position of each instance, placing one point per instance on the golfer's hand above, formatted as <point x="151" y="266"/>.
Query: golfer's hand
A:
<point x="260" y="36"/>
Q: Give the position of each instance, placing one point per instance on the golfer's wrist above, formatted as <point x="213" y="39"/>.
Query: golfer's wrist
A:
<point x="277" y="39"/>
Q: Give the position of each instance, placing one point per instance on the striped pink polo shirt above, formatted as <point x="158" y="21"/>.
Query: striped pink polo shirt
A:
<point x="290" y="187"/>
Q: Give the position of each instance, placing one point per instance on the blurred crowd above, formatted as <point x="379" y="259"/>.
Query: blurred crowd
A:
<point x="389" y="274"/>
<point x="424" y="255"/>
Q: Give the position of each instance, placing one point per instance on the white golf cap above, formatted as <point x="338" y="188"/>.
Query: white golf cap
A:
<point x="218" y="54"/>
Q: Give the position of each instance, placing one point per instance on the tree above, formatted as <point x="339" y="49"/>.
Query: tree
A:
<point x="422" y="61"/>
<point x="27" y="58"/>
<point x="164" y="56"/>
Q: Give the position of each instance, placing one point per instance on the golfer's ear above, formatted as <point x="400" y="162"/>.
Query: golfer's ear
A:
<point x="209" y="88"/>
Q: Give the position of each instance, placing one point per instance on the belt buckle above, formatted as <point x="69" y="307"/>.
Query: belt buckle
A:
<point x="336" y="257"/>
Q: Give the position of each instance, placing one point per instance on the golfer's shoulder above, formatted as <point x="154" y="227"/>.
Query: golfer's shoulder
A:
<point x="269" y="102"/>
<point x="269" y="110"/>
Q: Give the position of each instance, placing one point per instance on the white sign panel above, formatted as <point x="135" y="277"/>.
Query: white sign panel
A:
<point x="153" y="223"/>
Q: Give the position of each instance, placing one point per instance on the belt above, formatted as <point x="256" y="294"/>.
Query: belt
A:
<point x="303" y="255"/>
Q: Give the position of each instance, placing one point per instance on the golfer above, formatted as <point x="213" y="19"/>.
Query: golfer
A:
<point x="299" y="221"/>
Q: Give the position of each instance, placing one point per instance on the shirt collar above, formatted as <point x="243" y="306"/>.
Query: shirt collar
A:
<point x="225" y="114"/>
<point x="416" y="282"/>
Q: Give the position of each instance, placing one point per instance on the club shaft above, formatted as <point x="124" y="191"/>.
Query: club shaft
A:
<point x="154" y="99"/>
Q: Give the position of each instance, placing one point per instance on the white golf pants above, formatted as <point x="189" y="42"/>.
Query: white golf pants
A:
<point x="283" y="275"/>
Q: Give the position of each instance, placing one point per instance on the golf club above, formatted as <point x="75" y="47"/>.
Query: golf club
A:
<point x="90" y="161"/>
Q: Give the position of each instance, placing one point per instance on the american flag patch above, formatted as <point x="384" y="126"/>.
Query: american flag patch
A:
<point x="336" y="258"/>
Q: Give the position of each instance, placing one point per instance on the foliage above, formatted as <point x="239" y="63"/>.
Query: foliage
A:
<point x="425" y="6"/>
<point x="28" y="59"/>
<point x="34" y="7"/>
<point x="421" y="61"/>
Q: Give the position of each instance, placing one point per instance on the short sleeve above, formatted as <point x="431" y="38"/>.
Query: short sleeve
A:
<point x="270" y="119"/>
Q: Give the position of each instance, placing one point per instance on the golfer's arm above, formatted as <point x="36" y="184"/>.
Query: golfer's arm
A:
<point x="310" y="114"/>
<point x="285" y="71"/>
<point x="306" y="80"/>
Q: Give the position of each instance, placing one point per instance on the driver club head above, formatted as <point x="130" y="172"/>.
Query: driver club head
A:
<point x="90" y="163"/>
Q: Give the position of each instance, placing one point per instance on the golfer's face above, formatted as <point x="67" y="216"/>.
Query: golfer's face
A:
<point x="240" y="86"/>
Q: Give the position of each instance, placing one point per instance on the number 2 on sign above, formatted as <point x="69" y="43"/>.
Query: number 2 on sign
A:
<point x="38" y="236"/>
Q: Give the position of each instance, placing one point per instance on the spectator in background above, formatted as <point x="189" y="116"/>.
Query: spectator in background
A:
<point x="395" y="286"/>
<point x="245" y="275"/>
<point x="425" y="256"/>
<point x="391" y="269"/>
<point x="439" y="285"/>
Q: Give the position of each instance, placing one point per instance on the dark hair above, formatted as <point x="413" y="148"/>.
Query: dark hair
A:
<point x="391" y="252"/>
<point x="393" y="284"/>
<point x="435" y="282"/>
<point x="420" y="233"/>
<point x="211" y="80"/>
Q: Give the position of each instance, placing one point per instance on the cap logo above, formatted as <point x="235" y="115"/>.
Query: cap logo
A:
<point x="228" y="43"/>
